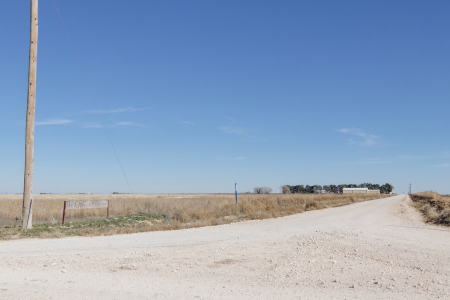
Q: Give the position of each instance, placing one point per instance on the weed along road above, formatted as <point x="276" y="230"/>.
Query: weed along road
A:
<point x="378" y="249"/>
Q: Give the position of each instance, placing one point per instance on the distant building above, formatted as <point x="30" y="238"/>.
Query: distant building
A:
<point x="359" y="191"/>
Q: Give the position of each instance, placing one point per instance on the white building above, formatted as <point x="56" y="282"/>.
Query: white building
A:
<point x="359" y="191"/>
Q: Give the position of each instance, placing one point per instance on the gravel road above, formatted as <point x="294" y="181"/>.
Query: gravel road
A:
<point x="378" y="249"/>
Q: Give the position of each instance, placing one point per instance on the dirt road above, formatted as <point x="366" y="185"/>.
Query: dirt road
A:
<point x="378" y="249"/>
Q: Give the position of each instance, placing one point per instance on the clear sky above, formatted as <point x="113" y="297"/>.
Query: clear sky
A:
<point x="198" y="95"/>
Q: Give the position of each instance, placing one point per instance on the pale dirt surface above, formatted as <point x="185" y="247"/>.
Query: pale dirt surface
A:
<point x="378" y="249"/>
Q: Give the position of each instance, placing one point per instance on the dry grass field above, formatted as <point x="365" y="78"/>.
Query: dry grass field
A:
<point x="435" y="207"/>
<point x="146" y="212"/>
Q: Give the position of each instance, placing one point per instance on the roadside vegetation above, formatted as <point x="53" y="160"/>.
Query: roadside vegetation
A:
<point x="131" y="213"/>
<point x="435" y="207"/>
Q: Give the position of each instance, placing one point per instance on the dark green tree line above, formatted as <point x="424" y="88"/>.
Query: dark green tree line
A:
<point x="332" y="188"/>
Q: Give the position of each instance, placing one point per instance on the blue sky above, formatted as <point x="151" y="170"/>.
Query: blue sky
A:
<point x="198" y="95"/>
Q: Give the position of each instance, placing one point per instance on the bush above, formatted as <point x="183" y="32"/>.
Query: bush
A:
<point x="262" y="190"/>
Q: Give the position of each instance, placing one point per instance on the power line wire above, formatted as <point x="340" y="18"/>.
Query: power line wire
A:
<point x="92" y="97"/>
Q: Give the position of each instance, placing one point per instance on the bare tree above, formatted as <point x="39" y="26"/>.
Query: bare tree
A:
<point x="262" y="190"/>
<point x="285" y="189"/>
<point x="267" y="190"/>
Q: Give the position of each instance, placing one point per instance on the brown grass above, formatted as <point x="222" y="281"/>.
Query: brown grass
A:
<point x="172" y="211"/>
<point x="435" y="207"/>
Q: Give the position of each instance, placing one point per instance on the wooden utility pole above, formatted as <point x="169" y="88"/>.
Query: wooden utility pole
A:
<point x="29" y="137"/>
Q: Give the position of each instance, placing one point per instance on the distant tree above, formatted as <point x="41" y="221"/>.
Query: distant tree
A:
<point x="266" y="190"/>
<point x="341" y="187"/>
<point x="309" y="189"/>
<point x="300" y="188"/>
<point x="334" y="188"/>
<point x="262" y="190"/>
<point x="317" y="189"/>
<point x="387" y="188"/>
<point x="295" y="189"/>
<point x="285" y="189"/>
<point x="390" y="187"/>
<point x="370" y="186"/>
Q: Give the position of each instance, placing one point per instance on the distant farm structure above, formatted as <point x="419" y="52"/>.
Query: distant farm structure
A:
<point x="359" y="191"/>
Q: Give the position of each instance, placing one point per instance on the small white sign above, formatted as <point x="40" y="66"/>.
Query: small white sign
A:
<point x="86" y="204"/>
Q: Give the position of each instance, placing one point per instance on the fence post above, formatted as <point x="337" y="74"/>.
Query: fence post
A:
<point x="235" y="191"/>
<point x="64" y="213"/>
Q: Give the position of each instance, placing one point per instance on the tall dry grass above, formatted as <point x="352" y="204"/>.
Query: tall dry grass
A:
<point x="208" y="209"/>
<point x="435" y="207"/>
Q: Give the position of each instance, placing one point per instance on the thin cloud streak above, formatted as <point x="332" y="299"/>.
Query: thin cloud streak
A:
<point x="130" y="124"/>
<point x="116" y="110"/>
<point x="235" y="130"/>
<point x="54" y="122"/>
<point x="239" y="131"/>
<point x="367" y="139"/>
<point x="92" y="125"/>
<point x="123" y="123"/>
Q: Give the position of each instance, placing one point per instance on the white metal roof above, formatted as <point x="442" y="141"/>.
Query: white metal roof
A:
<point x="355" y="189"/>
